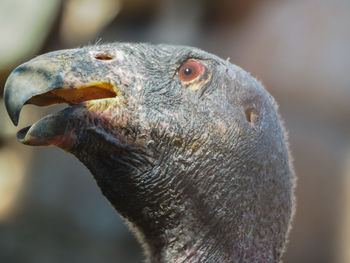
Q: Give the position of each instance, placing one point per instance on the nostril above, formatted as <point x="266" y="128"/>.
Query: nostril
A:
<point x="251" y="115"/>
<point x="104" y="56"/>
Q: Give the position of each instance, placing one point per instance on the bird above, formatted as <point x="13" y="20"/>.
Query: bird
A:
<point x="189" y="148"/>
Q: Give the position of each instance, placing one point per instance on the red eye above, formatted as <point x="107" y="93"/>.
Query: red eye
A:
<point x="190" y="70"/>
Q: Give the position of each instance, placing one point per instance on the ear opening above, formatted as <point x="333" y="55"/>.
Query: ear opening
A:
<point x="251" y="115"/>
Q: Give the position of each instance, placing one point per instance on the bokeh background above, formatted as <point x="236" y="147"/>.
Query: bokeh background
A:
<point x="50" y="208"/>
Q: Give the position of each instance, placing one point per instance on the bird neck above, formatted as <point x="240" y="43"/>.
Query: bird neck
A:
<point x="192" y="243"/>
<point x="179" y="217"/>
<point x="186" y="244"/>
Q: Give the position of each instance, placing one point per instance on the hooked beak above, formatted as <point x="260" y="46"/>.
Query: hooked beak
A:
<point x="50" y="79"/>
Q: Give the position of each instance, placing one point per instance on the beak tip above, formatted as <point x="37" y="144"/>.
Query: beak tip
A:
<point x="12" y="111"/>
<point x="14" y="121"/>
<point x="22" y="134"/>
<point x="12" y="103"/>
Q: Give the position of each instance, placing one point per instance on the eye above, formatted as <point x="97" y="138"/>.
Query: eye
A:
<point x="190" y="70"/>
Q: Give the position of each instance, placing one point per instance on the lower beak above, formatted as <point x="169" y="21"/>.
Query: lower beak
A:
<point x="51" y="130"/>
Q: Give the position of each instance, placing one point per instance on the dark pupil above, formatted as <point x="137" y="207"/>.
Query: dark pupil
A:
<point x="188" y="71"/>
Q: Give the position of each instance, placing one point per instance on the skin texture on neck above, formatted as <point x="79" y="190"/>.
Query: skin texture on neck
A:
<point x="217" y="212"/>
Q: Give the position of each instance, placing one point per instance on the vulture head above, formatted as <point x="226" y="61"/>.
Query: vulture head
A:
<point x="187" y="147"/>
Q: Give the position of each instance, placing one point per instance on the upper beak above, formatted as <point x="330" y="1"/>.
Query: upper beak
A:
<point x="50" y="79"/>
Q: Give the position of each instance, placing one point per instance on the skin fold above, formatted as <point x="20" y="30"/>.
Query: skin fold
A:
<point x="199" y="168"/>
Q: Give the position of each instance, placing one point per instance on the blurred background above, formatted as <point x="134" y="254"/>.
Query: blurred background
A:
<point x="50" y="208"/>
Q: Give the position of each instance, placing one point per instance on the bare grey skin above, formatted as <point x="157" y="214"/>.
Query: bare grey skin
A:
<point x="187" y="147"/>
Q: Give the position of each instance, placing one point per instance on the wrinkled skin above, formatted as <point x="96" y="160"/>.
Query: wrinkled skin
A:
<point x="201" y="174"/>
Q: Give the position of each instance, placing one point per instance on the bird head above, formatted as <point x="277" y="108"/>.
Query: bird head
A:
<point x="186" y="146"/>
